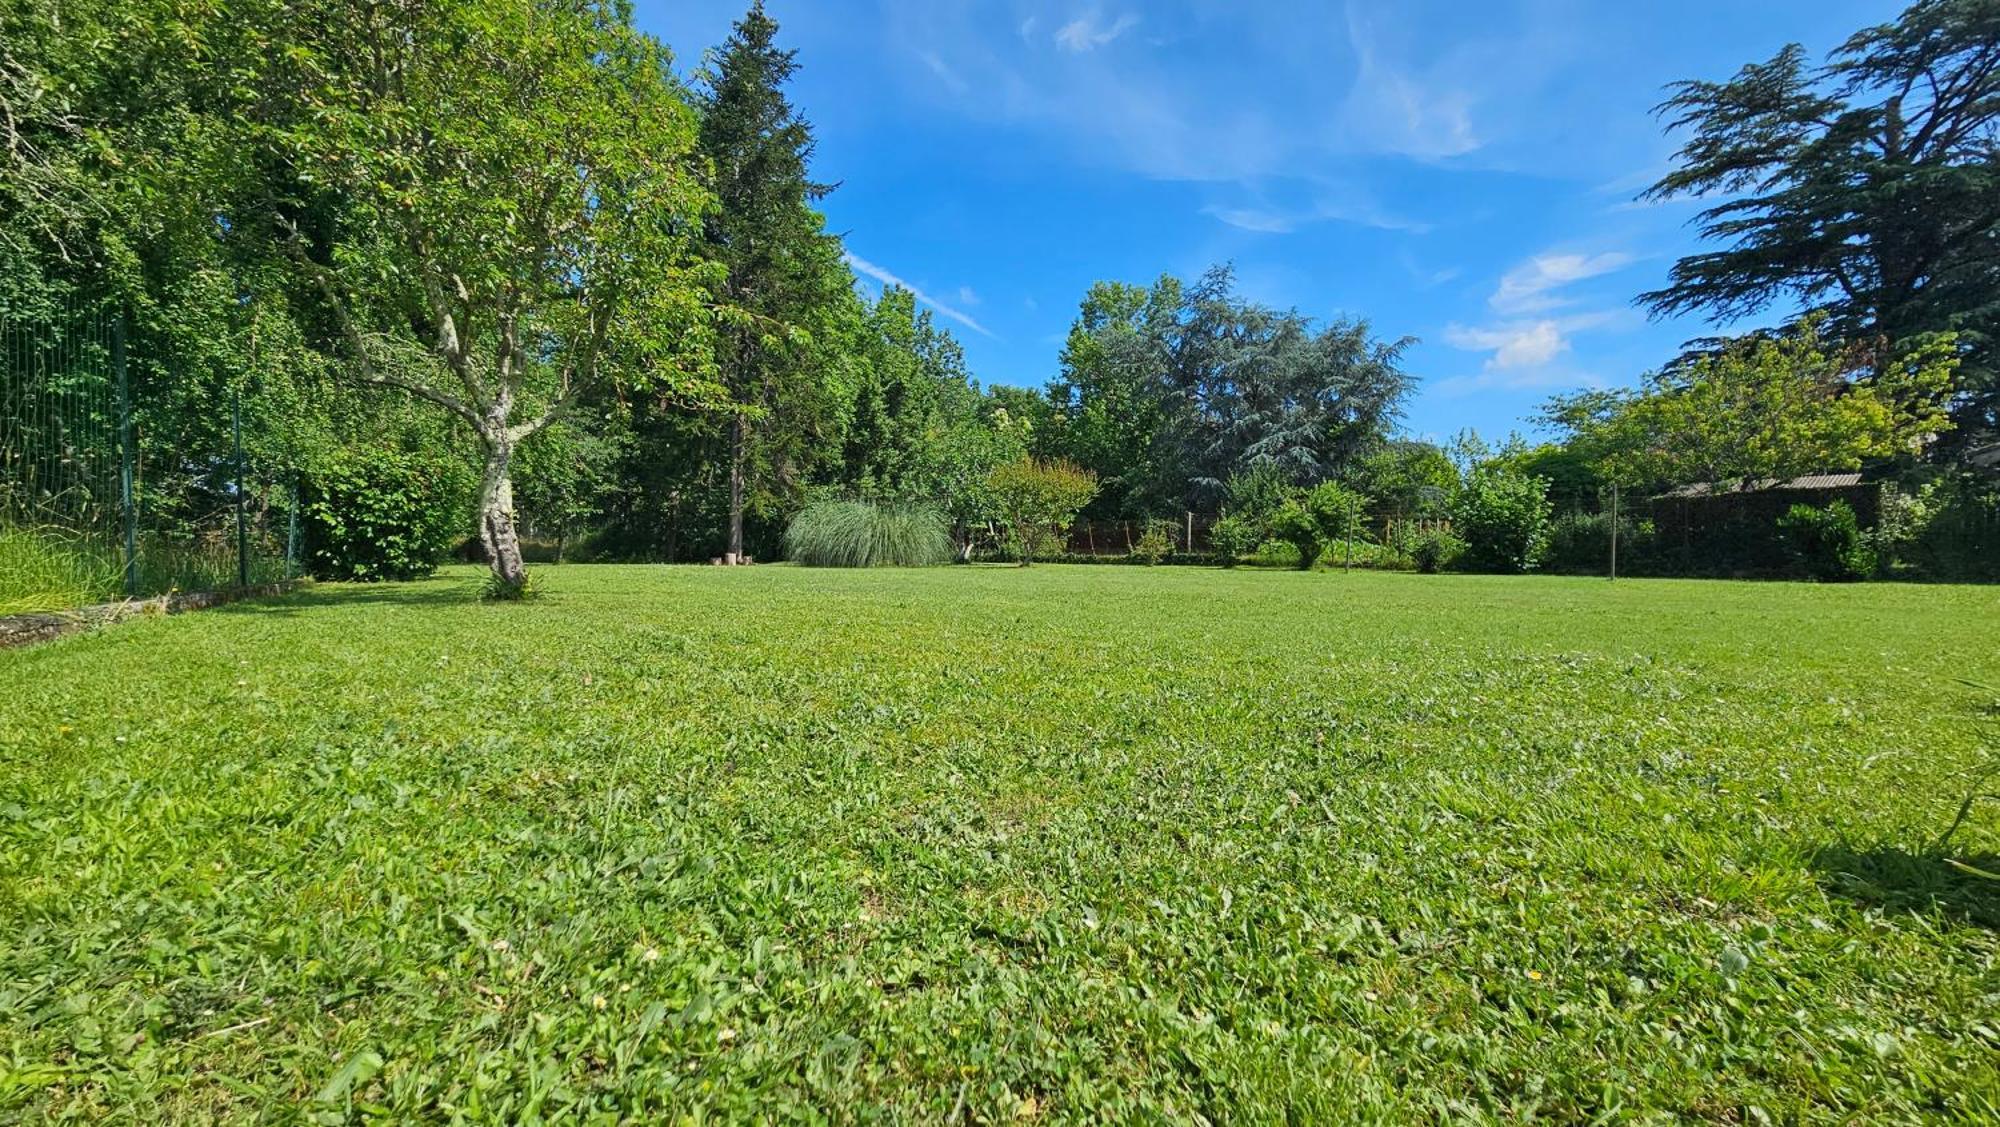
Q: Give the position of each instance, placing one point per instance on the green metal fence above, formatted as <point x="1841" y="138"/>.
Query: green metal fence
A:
<point x="93" y="506"/>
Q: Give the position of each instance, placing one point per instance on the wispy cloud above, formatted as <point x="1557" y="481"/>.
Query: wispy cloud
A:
<point x="1087" y="33"/>
<point x="1517" y="380"/>
<point x="1531" y="287"/>
<point x="944" y="71"/>
<point x="863" y="266"/>
<point x="967" y="296"/>
<point x="1279" y="221"/>
<point x="1397" y="107"/>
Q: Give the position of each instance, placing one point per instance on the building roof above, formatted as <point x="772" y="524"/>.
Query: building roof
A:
<point x="1809" y="481"/>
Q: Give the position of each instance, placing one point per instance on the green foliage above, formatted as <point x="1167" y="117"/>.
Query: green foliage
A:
<point x="1763" y="408"/>
<point x="50" y="569"/>
<point x="1233" y="537"/>
<point x="1503" y="518"/>
<point x="1827" y="543"/>
<point x="368" y="514"/>
<point x="495" y="588"/>
<point x="1407" y="480"/>
<point x="906" y="794"/>
<point x="491" y="206"/>
<point x="563" y="476"/>
<point x="1580" y="543"/>
<point x="1156" y="544"/>
<point x="1862" y="188"/>
<point x="1947" y="528"/>
<point x="1316" y="518"/>
<point x="787" y="298"/>
<point x="865" y="534"/>
<point x="1257" y="493"/>
<point x="1432" y="548"/>
<point x="1037" y="500"/>
<point x="1295" y="525"/>
<point x="1168" y="392"/>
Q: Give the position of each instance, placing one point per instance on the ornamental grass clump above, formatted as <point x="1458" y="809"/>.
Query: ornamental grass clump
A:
<point x="862" y="534"/>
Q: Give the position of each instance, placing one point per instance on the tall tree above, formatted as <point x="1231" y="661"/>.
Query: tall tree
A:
<point x="493" y="202"/>
<point x="1169" y="392"/>
<point x="912" y="398"/>
<point x="785" y="284"/>
<point x="1867" y="189"/>
<point x="1761" y="408"/>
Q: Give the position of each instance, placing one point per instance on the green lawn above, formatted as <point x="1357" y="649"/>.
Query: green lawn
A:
<point x="1070" y="843"/>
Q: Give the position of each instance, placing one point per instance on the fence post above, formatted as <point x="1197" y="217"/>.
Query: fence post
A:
<point x="127" y="504"/>
<point x="292" y="531"/>
<point x="1614" y="530"/>
<point x="242" y="536"/>
<point x="1190" y="535"/>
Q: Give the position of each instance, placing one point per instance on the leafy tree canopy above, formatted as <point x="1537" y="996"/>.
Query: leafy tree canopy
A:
<point x="1866" y="189"/>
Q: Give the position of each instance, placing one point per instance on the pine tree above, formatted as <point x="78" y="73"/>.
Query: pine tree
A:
<point x="785" y="281"/>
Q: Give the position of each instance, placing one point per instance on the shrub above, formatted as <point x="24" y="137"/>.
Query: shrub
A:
<point x="382" y="514"/>
<point x="1827" y="543"/>
<point x="1256" y="493"/>
<point x="1156" y="544"/>
<point x="1503" y="518"/>
<point x="1581" y="543"/>
<point x="1037" y="499"/>
<point x="1233" y="537"/>
<point x="1434" y="549"/>
<point x="1293" y="523"/>
<point x="1948" y="529"/>
<point x="1275" y="553"/>
<point x="1315" y="519"/>
<point x="862" y="534"/>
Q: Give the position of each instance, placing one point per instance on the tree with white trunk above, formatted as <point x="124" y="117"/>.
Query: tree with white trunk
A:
<point x="493" y="203"/>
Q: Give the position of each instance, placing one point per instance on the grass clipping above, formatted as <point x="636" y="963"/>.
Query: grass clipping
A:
<point x="861" y="534"/>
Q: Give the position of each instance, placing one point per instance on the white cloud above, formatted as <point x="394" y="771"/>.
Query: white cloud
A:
<point x="863" y="266"/>
<point x="1530" y="287"/>
<point x="1527" y="345"/>
<point x="1086" y="33"/>
<point x="967" y="296"/>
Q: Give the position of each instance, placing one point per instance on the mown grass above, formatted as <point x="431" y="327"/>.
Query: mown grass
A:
<point x="990" y="844"/>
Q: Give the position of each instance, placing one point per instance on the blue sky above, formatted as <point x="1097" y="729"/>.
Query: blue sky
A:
<point x="1462" y="173"/>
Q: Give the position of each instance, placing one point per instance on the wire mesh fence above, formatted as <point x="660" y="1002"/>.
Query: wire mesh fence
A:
<point x="92" y="506"/>
<point x="1188" y="533"/>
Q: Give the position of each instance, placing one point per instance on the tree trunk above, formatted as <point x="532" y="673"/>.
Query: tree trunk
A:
<point x="496" y="519"/>
<point x="737" y="451"/>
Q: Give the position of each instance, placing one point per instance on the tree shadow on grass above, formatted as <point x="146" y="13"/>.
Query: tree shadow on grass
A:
<point x="434" y="593"/>
<point x="1897" y="880"/>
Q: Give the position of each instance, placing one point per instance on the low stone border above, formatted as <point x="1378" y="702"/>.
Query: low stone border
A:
<point x="27" y="629"/>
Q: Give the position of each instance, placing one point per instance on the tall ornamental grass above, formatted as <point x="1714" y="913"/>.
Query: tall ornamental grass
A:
<point x="861" y="534"/>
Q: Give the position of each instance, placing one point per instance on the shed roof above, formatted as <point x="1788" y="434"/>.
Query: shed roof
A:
<point x="1809" y="481"/>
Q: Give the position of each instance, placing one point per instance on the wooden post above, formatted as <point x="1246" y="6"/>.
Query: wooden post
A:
<point x="1189" y="548"/>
